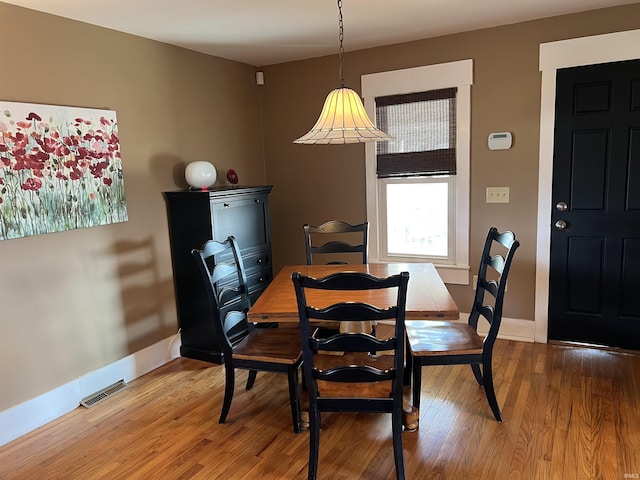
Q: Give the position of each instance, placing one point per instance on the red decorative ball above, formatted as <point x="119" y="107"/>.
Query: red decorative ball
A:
<point x="232" y="176"/>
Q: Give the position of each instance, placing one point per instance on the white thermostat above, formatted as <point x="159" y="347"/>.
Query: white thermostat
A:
<point x="500" y="141"/>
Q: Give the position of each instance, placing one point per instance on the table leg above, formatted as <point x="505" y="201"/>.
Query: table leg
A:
<point x="410" y="414"/>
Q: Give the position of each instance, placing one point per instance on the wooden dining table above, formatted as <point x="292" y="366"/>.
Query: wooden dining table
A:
<point x="427" y="298"/>
<point x="427" y="295"/>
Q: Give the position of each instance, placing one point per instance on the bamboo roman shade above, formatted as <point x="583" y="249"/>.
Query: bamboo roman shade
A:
<point x="424" y="129"/>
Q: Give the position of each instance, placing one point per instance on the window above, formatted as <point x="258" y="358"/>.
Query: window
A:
<point x="417" y="222"/>
<point x="418" y="184"/>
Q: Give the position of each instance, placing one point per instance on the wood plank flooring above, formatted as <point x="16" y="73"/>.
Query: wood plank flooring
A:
<point x="570" y="413"/>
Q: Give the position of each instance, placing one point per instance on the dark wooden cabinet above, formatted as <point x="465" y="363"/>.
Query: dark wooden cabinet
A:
<point x="197" y="216"/>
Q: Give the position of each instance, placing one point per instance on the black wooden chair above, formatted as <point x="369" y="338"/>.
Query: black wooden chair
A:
<point x="254" y="349"/>
<point x="340" y="373"/>
<point x="451" y="343"/>
<point x="344" y="240"/>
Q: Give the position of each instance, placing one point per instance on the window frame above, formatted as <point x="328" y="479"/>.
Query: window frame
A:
<point x="457" y="74"/>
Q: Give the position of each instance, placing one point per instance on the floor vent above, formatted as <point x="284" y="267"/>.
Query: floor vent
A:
<point x="103" y="394"/>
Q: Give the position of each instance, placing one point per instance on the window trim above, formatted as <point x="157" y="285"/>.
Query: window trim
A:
<point x="431" y="77"/>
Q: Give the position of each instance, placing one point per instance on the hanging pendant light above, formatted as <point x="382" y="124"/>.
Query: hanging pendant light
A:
<point x="343" y="118"/>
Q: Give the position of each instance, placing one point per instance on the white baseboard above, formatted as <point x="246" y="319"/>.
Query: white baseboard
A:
<point x="34" y="413"/>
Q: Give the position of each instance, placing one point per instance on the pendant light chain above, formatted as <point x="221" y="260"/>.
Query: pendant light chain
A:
<point x="341" y="37"/>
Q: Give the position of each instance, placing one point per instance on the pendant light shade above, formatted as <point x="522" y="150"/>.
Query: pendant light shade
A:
<point x="343" y="118"/>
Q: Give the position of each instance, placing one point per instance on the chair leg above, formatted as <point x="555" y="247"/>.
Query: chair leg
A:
<point x="477" y="373"/>
<point x="417" y="381"/>
<point x="294" y="398"/>
<point x="229" y="385"/>
<point x="396" y="427"/>
<point x="251" y="379"/>
<point x="489" y="390"/>
<point x="314" y="443"/>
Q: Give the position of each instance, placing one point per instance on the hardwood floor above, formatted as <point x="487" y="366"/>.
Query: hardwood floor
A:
<point x="570" y="413"/>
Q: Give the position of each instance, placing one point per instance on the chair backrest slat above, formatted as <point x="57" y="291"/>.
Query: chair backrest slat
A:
<point x="497" y="263"/>
<point x="340" y="311"/>
<point x="355" y="374"/>
<point x="351" y="342"/>
<point x="222" y="271"/>
<point x="348" y="281"/>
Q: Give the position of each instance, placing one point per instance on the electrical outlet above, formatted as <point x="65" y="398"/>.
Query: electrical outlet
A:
<point x="497" y="194"/>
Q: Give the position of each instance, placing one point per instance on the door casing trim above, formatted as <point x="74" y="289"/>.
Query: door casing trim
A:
<point x="612" y="47"/>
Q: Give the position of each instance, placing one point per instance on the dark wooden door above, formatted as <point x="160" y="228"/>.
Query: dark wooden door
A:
<point x="594" y="278"/>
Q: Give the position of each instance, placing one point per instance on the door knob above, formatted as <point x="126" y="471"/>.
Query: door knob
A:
<point x="561" y="206"/>
<point x="561" y="224"/>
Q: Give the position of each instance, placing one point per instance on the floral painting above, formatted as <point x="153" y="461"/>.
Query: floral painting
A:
<point x="60" y="169"/>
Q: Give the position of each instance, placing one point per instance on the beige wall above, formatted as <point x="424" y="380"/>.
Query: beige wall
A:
<point x="75" y="301"/>
<point x="316" y="183"/>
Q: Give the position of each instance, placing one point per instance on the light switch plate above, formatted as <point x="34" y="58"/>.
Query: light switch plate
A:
<point x="497" y="194"/>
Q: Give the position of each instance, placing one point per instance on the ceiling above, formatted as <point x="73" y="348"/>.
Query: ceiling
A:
<point x="265" y="32"/>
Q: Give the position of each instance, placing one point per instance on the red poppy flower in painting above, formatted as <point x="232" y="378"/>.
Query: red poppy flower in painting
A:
<point x="20" y="163"/>
<point x="62" y="151"/>
<point x="18" y="152"/>
<point x="47" y="145"/>
<point x="32" y="183"/>
<point x="75" y="174"/>
<point x="82" y="153"/>
<point x="33" y="116"/>
<point x="20" y="139"/>
<point x="107" y="181"/>
<point x="97" y="169"/>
